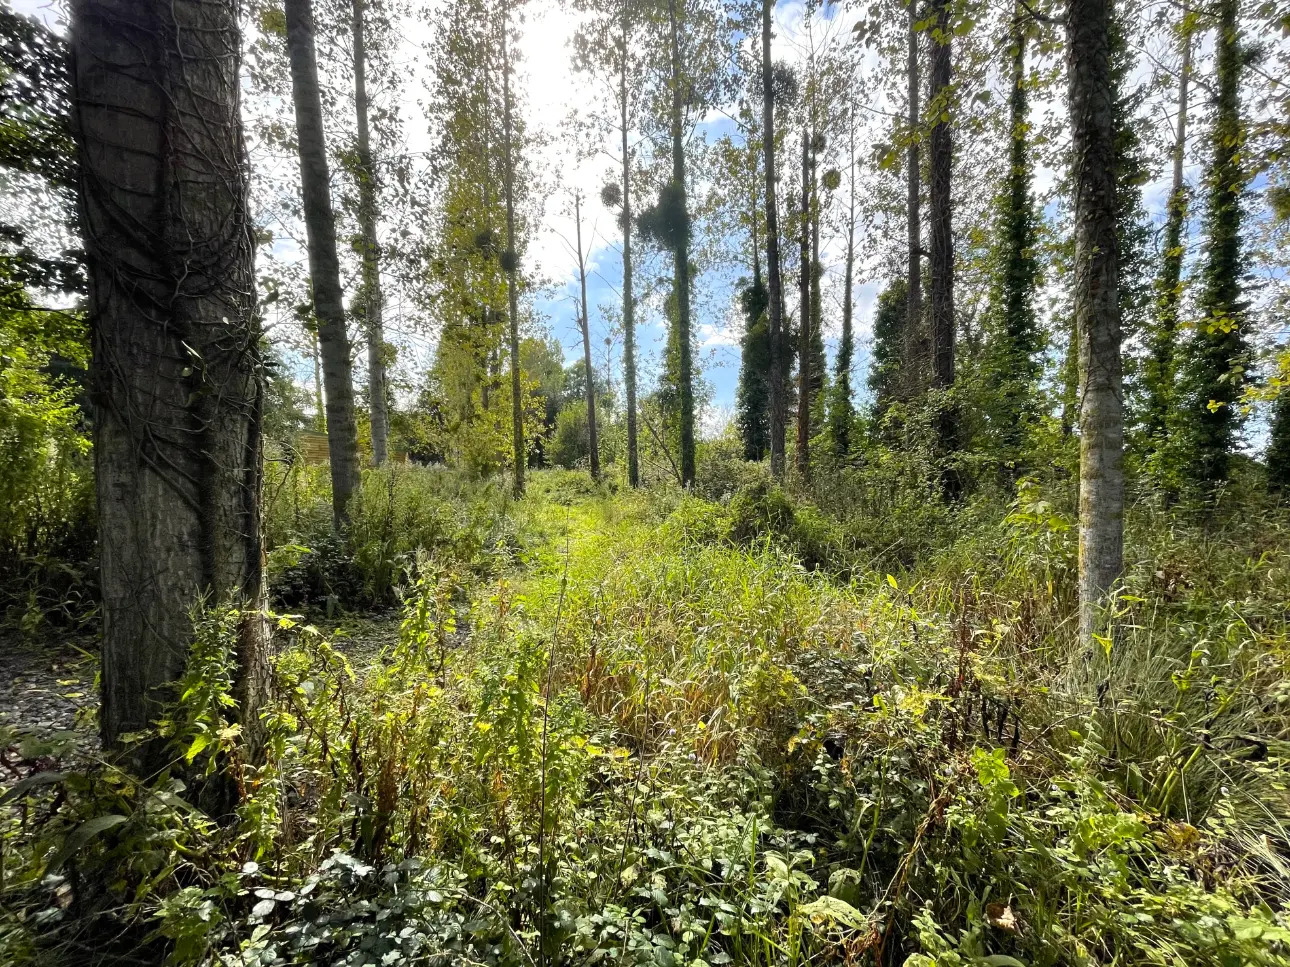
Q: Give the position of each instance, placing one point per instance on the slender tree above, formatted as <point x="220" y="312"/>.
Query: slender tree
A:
<point x="1015" y="342"/>
<point x="511" y="263"/>
<point x="1163" y="337"/>
<point x="841" y="410"/>
<point x="372" y="298"/>
<point x="941" y="262"/>
<point x="1097" y="310"/>
<point x="777" y="377"/>
<point x="678" y="211"/>
<point x="629" y="301"/>
<point x="805" y="314"/>
<point x="584" y="323"/>
<point x="178" y="391"/>
<point x="913" y="339"/>
<point x="324" y="264"/>
<point x="1213" y="367"/>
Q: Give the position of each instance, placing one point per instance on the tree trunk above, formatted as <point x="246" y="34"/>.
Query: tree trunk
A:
<point x="1161" y="370"/>
<point x="682" y="261"/>
<point x="178" y="381"/>
<point x="511" y="264"/>
<point x="777" y="378"/>
<point x="803" y="455"/>
<point x="373" y="298"/>
<point x="584" y="324"/>
<point x="941" y="265"/>
<point x="629" y="305"/>
<point x="841" y="413"/>
<point x="1097" y="313"/>
<point x="324" y="265"/>
<point x="914" y="317"/>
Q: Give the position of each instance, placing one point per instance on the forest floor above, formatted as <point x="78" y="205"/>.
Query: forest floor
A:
<point x="48" y="694"/>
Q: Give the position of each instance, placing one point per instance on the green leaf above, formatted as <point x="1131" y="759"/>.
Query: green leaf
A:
<point x="1003" y="960"/>
<point x="893" y="582"/>
<point x="23" y="786"/>
<point x="199" y="743"/>
<point x="80" y="837"/>
<point x="833" y="910"/>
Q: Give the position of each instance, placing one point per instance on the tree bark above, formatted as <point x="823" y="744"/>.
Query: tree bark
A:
<point x="629" y="304"/>
<point x="682" y="261"/>
<point x="584" y="323"/>
<point x="1162" y="372"/>
<point x="512" y="266"/>
<point x="941" y="263"/>
<point x="178" y="381"/>
<point x="842" y="413"/>
<point x="324" y="265"/>
<point x="803" y="455"/>
<point x="777" y="378"/>
<point x="914" y="317"/>
<point x="1097" y="313"/>
<point x="373" y="298"/>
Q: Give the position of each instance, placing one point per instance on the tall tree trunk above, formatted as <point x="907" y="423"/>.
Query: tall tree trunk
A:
<point x="913" y="341"/>
<point x="373" y="298"/>
<point x="178" y="379"/>
<point x="777" y="378"/>
<point x="585" y="325"/>
<point x="682" y="261"/>
<point x="511" y="265"/>
<point x="629" y="302"/>
<point x="1161" y="371"/>
<point x="324" y="265"/>
<point x="941" y="265"/>
<point x="817" y="299"/>
<point x="1015" y="348"/>
<point x="841" y="413"/>
<point x="1097" y="312"/>
<point x="1212" y="381"/>
<point x="803" y="454"/>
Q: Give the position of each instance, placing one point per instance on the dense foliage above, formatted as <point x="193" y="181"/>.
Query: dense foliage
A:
<point x="658" y="729"/>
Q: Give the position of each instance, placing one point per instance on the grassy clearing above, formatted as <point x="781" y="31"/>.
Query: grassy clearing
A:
<point x="646" y="728"/>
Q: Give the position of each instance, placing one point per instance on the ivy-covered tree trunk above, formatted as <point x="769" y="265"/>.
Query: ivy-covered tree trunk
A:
<point x="681" y="252"/>
<point x="941" y="263"/>
<point x="324" y="265"/>
<point x="1097" y="310"/>
<point x="1163" y="338"/>
<point x="1013" y="352"/>
<point x="373" y="301"/>
<point x="1213" y="374"/>
<point x="629" y="305"/>
<point x="178" y="381"/>
<point x="819" y="371"/>
<point x="803" y="452"/>
<point x="913" y="347"/>
<point x="841" y="412"/>
<point x="510" y="262"/>
<point x="584" y="324"/>
<point x="777" y="378"/>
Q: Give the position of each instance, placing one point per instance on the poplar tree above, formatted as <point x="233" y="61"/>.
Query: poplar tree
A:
<point x="1161" y="370"/>
<point x="324" y="263"/>
<point x="179" y="382"/>
<point x="1014" y="344"/>
<point x="1213" y="373"/>
<point x="1097" y="309"/>
<point x="778" y="368"/>
<point x="372" y="299"/>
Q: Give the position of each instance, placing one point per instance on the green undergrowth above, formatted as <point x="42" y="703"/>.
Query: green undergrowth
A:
<point x="654" y="729"/>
